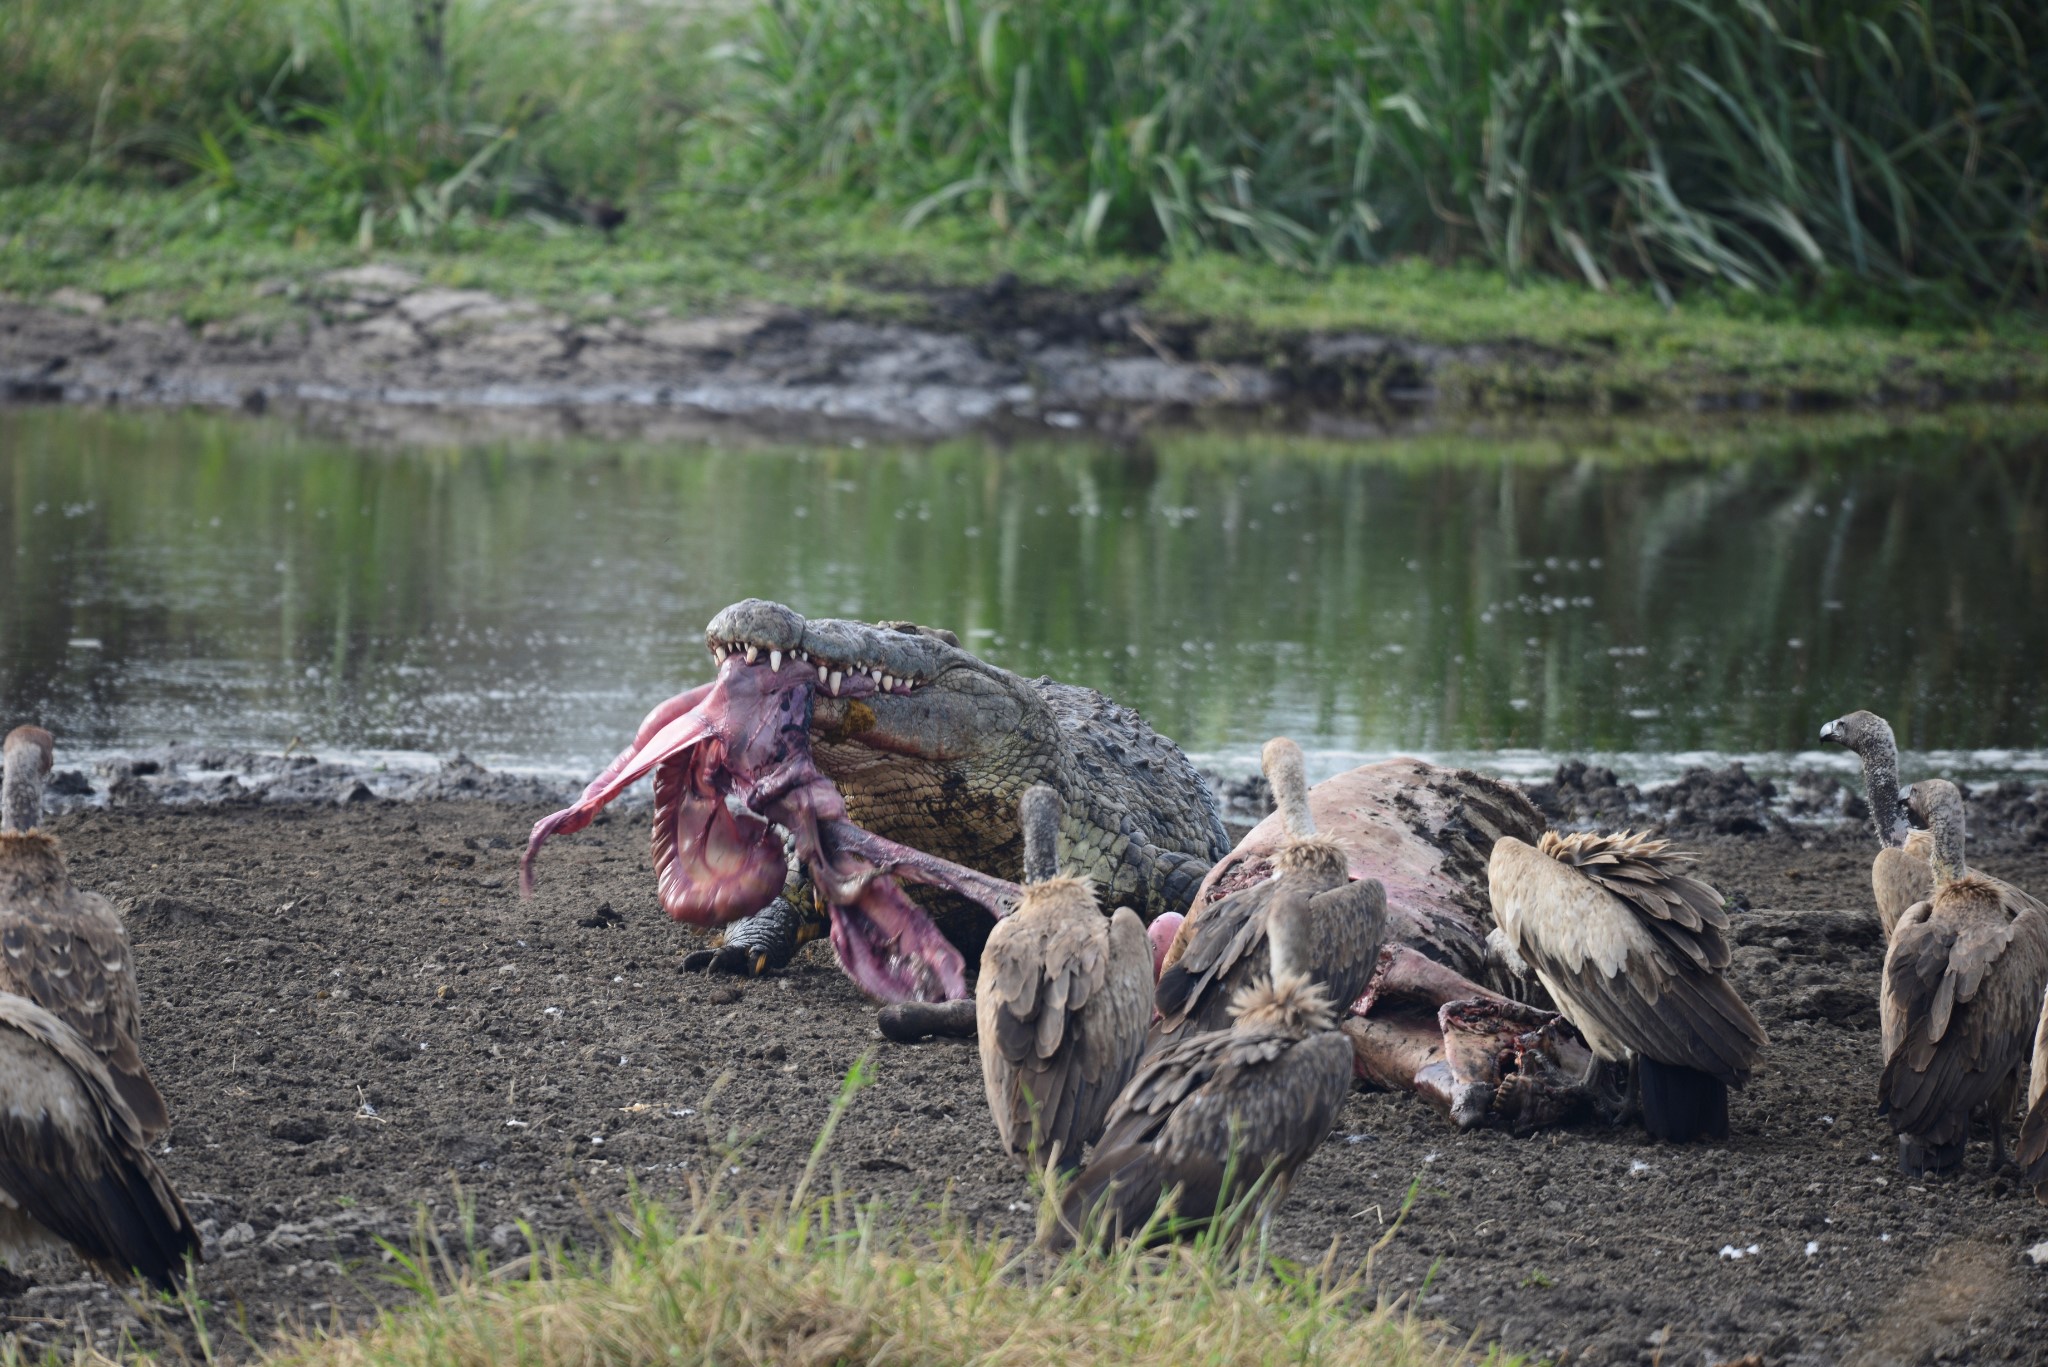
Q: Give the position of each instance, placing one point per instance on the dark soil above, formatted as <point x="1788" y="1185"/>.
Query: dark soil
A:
<point x="351" y="1011"/>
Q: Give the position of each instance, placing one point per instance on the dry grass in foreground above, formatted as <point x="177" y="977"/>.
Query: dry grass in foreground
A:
<point x="831" y="1280"/>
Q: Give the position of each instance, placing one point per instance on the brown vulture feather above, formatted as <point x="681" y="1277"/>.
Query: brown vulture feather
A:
<point x="1061" y="1004"/>
<point x="1222" y="949"/>
<point x="1214" y="1120"/>
<point x="63" y="948"/>
<point x="1634" y="952"/>
<point x="73" y="1166"/>
<point x="1963" y="981"/>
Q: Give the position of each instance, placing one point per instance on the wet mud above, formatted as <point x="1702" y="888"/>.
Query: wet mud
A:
<point x="377" y="353"/>
<point x="353" y="1013"/>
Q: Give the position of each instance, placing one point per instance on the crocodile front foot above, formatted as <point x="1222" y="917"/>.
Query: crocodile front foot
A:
<point x="761" y="943"/>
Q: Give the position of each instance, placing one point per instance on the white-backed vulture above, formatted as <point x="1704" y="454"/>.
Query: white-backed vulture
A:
<point x="1216" y="1119"/>
<point x="1902" y="872"/>
<point x="1635" y="953"/>
<point x="1061" y="1005"/>
<point x="73" y="1169"/>
<point x="1963" y="979"/>
<point x="64" y="949"/>
<point x="2033" y="1153"/>
<point x="1222" y="946"/>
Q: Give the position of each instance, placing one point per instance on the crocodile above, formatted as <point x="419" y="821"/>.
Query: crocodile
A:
<point x="830" y="761"/>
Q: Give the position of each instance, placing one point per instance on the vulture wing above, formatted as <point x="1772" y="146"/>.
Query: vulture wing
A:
<point x="1206" y="1117"/>
<point x="67" y="951"/>
<point x="1962" y="990"/>
<point x="2033" y="1148"/>
<point x="1350" y="924"/>
<point x="1062" y="1005"/>
<point x="1631" y="950"/>
<point x="72" y="1156"/>
<point x="1225" y="950"/>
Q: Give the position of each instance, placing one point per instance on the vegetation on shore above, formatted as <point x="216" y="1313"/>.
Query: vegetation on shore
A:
<point x="1784" y="198"/>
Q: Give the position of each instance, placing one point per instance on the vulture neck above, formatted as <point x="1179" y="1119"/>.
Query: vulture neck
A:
<point x="1880" y="756"/>
<point x="1946" y="824"/>
<point x="1038" y="817"/>
<point x="21" y="790"/>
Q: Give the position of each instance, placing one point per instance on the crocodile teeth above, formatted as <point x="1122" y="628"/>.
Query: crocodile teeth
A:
<point x="875" y="674"/>
<point x="775" y="661"/>
<point x="753" y="653"/>
<point x="822" y="673"/>
<point x="888" y="683"/>
<point x="834" y="681"/>
<point x="719" y="651"/>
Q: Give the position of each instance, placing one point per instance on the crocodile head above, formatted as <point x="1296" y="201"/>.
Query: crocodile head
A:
<point x="894" y="711"/>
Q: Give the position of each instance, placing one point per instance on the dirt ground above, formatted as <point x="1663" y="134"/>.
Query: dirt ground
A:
<point x="351" y="1010"/>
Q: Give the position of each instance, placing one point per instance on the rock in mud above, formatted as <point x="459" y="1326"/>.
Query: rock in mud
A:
<point x="1584" y="796"/>
<point x="1724" y="801"/>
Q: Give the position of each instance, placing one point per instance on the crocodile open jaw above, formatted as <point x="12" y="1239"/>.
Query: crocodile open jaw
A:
<point x="732" y="770"/>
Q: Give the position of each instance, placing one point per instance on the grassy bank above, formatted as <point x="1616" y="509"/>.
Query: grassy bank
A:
<point x="155" y="253"/>
<point x="1631" y="204"/>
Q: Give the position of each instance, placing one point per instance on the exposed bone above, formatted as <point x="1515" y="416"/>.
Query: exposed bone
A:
<point x="1478" y="1057"/>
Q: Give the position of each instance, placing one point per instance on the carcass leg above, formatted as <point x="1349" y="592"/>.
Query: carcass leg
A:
<point x="1479" y="1057"/>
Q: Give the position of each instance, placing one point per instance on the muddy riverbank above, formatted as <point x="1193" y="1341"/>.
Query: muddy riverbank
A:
<point x="351" y="1012"/>
<point x="379" y="352"/>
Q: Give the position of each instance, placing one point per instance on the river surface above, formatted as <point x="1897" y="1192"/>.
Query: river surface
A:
<point x="1650" y="596"/>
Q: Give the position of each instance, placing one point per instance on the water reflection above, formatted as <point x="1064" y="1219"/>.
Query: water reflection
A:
<point x="186" y="577"/>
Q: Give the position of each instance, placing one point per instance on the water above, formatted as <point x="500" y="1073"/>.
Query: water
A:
<point x="1651" y="596"/>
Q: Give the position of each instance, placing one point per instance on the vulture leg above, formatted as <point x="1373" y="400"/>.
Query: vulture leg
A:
<point x="1998" y="1110"/>
<point x="1479" y="1057"/>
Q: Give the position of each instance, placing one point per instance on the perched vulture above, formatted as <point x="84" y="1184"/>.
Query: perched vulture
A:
<point x="1222" y="946"/>
<point x="2034" y="1133"/>
<point x="1634" y="953"/>
<point x="1216" y="1119"/>
<point x="64" y="949"/>
<point x="1903" y="872"/>
<point x="1061" y="1004"/>
<point x="73" y="1169"/>
<point x="1963" y="980"/>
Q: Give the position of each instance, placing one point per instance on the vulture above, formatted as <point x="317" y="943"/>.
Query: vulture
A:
<point x="1963" y="979"/>
<point x="1900" y="875"/>
<point x="2034" y="1132"/>
<point x="1222" y="949"/>
<point x="1215" y="1120"/>
<point x="1061" y="1005"/>
<point x="1903" y="872"/>
<point x="61" y="948"/>
<point x="73" y="1168"/>
<point x="1634" y="952"/>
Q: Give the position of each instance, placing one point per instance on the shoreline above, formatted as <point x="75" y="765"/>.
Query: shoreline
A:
<point x="1702" y="800"/>
<point x="689" y="327"/>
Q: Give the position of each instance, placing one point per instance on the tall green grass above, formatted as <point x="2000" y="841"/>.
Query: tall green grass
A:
<point x="1758" y="144"/>
<point x="1892" y="148"/>
<point x="362" y="119"/>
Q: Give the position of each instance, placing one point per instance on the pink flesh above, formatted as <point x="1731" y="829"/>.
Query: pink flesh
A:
<point x="1372" y="811"/>
<point x="745" y="736"/>
<point x="1161" y="932"/>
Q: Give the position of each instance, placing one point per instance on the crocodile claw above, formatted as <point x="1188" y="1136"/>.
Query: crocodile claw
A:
<point x="762" y="943"/>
